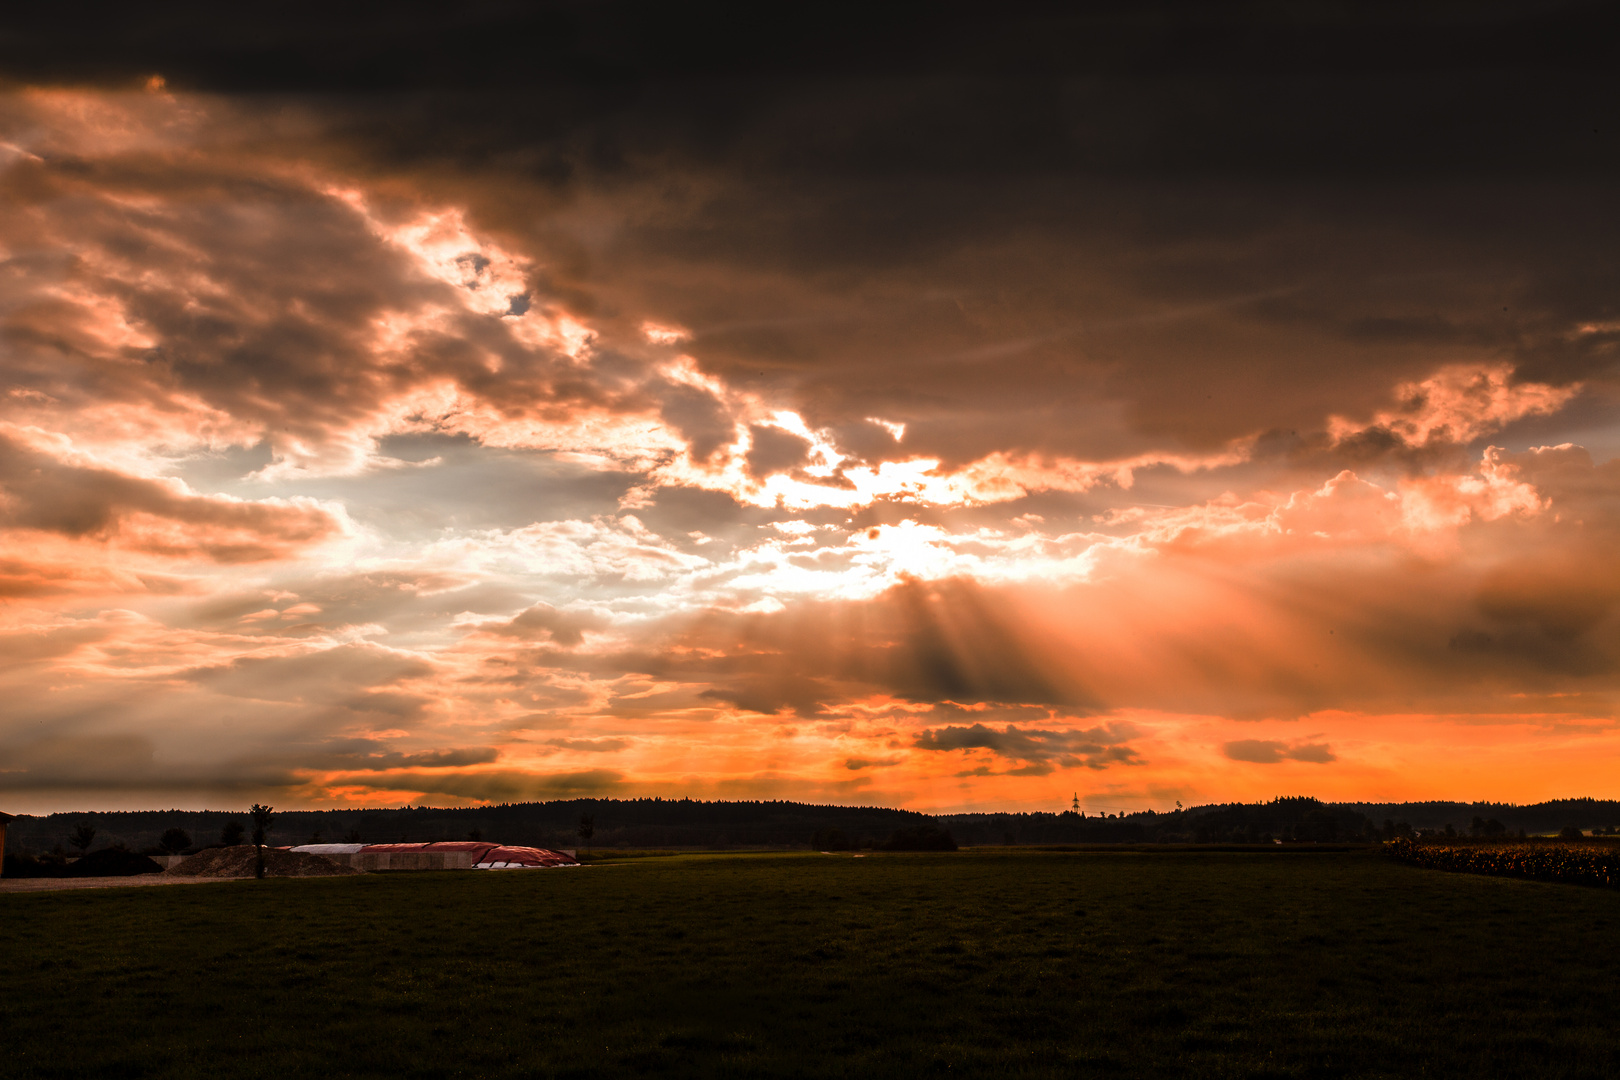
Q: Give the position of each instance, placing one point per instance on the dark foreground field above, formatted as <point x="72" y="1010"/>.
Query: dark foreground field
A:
<point x="976" y="963"/>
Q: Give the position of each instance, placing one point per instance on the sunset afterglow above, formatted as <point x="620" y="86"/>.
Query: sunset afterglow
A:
<point x="334" y="473"/>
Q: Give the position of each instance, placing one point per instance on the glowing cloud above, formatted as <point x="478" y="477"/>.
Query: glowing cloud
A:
<point x="332" y="478"/>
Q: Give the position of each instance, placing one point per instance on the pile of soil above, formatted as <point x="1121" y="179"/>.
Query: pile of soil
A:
<point x="111" y="862"/>
<point x="234" y="862"/>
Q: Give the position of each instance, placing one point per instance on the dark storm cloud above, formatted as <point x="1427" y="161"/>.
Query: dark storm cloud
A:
<point x="408" y="602"/>
<point x="1278" y="617"/>
<point x="126" y="763"/>
<point x="857" y="764"/>
<point x="1225" y="86"/>
<point x="922" y="641"/>
<point x="374" y="755"/>
<point x="121" y="762"/>
<point x="359" y="678"/>
<point x="1095" y="748"/>
<point x="1546" y="607"/>
<point x="700" y="418"/>
<point x="590" y="746"/>
<point x="960" y="644"/>
<point x="1206" y="311"/>
<point x="498" y="785"/>
<point x="40" y="491"/>
<point x="774" y="450"/>
<point x="1271" y="752"/>
<point x="775" y="693"/>
<point x="39" y="578"/>
<point x="457" y="483"/>
<point x="246" y="302"/>
<point x="78" y="761"/>
<point x="544" y="622"/>
<point x="280" y="336"/>
<point x="1089" y="231"/>
<point x="1190" y="225"/>
<point x="1098" y="231"/>
<point x="34" y="646"/>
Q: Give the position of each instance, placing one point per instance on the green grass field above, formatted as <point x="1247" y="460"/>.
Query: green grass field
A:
<point x="1002" y="963"/>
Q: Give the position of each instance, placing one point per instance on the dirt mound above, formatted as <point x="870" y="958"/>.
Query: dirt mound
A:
<point x="111" y="862"/>
<point x="231" y="862"/>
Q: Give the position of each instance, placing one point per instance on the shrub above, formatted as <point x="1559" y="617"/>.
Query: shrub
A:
<point x="112" y="862"/>
<point x="920" y="838"/>
<point x="830" y="840"/>
<point x="27" y="866"/>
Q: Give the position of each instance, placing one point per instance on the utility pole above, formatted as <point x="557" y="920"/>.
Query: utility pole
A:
<point x="1077" y="800"/>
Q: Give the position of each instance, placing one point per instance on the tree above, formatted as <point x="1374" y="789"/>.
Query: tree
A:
<point x="261" y="824"/>
<point x="587" y="829"/>
<point x="830" y="839"/>
<point x="352" y="837"/>
<point x="82" y="837"/>
<point x="1570" y="832"/>
<point x="920" y="838"/>
<point x="1318" y="825"/>
<point x="174" y="841"/>
<point x="232" y="834"/>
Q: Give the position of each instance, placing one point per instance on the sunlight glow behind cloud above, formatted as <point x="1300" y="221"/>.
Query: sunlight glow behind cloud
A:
<point x="333" y="485"/>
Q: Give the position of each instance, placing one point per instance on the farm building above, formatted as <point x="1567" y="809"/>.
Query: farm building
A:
<point x="447" y="855"/>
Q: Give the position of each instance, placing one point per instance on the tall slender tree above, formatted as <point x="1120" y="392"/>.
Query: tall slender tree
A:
<point x="261" y="825"/>
<point x="83" y="836"/>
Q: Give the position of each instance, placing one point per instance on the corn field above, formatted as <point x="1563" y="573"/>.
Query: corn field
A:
<point x="1574" y="863"/>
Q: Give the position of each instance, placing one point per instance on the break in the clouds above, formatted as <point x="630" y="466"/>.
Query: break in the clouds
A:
<point x="825" y="439"/>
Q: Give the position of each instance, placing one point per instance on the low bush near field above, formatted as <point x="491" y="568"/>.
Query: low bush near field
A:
<point x="33" y="866"/>
<point x="108" y="862"/>
<point x="920" y="838"/>
<point x="1576" y="864"/>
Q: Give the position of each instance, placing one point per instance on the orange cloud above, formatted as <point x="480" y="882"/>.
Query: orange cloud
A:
<point x="345" y="479"/>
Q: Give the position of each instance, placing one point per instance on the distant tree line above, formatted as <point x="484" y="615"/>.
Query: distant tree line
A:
<point x="1284" y="819"/>
<point x="1589" y="815"/>
<point x="691" y="823"/>
<point x="615" y="823"/>
<point x="906" y="838"/>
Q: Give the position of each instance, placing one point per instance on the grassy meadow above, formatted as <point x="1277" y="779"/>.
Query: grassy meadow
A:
<point x="990" y="962"/>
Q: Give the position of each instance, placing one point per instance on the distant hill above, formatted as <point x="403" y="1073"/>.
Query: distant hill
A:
<point x="688" y="823"/>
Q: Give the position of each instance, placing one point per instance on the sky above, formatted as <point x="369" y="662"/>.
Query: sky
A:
<point x="1129" y="403"/>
